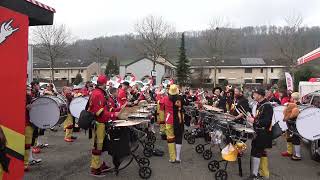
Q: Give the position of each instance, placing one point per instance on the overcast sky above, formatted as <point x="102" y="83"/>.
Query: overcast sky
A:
<point x="92" y="18"/>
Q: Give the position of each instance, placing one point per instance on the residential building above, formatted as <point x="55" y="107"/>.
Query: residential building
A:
<point x="143" y="66"/>
<point x="237" y="71"/>
<point x="66" y="70"/>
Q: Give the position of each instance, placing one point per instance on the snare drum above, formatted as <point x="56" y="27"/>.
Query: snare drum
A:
<point x="308" y="124"/>
<point x="47" y="111"/>
<point x="77" y="105"/>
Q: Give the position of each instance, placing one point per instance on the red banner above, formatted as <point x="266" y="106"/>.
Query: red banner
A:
<point x="13" y="64"/>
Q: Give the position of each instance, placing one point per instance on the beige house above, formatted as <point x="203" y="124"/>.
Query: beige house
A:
<point x="237" y="71"/>
<point x="66" y="70"/>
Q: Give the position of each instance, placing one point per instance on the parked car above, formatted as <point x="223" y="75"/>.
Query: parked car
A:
<point x="314" y="100"/>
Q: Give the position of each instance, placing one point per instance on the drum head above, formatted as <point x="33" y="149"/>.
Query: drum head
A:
<point x="44" y="112"/>
<point x="308" y="124"/>
<point x="77" y="105"/>
<point x="278" y="117"/>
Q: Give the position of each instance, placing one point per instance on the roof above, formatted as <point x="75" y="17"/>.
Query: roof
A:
<point x="38" y="13"/>
<point x="238" y="62"/>
<point x="62" y="64"/>
<point x="315" y="54"/>
<point x="160" y="60"/>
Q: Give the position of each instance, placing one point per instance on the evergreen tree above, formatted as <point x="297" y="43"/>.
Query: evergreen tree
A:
<point x="78" y="79"/>
<point x="183" y="68"/>
<point x="112" y="67"/>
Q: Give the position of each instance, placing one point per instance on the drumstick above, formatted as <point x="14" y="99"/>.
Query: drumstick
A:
<point x="244" y="111"/>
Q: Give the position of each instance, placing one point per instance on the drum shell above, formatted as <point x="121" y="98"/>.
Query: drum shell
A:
<point x="77" y="105"/>
<point x="53" y="111"/>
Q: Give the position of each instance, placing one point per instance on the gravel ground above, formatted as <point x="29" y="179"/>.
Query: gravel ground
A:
<point x="65" y="161"/>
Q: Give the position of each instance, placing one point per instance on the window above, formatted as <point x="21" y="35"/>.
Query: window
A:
<point x="39" y="71"/>
<point x="81" y="70"/>
<point x="65" y="71"/>
<point x="219" y="70"/>
<point x="248" y="70"/>
<point x="57" y="71"/>
<point x="271" y="70"/>
<point x="274" y="81"/>
<point x="207" y="81"/>
<point x="259" y="81"/>
<point x="71" y="70"/>
<point x="261" y="70"/>
<point x="248" y="81"/>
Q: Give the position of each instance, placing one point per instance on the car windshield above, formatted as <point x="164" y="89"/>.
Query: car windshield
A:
<point x="316" y="101"/>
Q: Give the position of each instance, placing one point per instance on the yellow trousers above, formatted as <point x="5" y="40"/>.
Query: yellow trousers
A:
<point x="98" y="137"/>
<point x="68" y="126"/>
<point x="28" y="141"/>
<point x="1" y="172"/>
<point x="171" y="142"/>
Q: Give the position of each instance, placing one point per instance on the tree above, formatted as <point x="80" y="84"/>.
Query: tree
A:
<point x="183" y="68"/>
<point x="288" y="39"/>
<point x="51" y="43"/>
<point x="112" y="67"/>
<point x="78" y="79"/>
<point x="153" y="33"/>
<point x="218" y="40"/>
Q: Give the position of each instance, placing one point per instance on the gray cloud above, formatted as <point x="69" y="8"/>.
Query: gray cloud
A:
<point x="89" y="19"/>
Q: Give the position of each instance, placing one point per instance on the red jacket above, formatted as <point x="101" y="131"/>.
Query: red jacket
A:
<point x="98" y="106"/>
<point x="122" y="97"/>
<point x="284" y="100"/>
<point x="85" y="92"/>
<point x="113" y="106"/>
<point x="167" y="106"/>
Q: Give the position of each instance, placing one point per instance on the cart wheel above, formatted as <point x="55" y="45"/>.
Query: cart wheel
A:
<point x="191" y="139"/>
<point x="207" y="154"/>
<point x="149" y="145"/>
<point x="144" y="162"/>
<point x="200" y="148"/>
<point x="213" y="166"/>
<point x="152" y="138"/>
<point x="147" y="152"/>
<point x="221" y="175"/>
<point x="145" y="172"/>
<point x="186" y="136"/>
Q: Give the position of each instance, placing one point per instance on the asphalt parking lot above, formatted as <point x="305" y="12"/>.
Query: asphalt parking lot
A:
<point x="65" y="161"/>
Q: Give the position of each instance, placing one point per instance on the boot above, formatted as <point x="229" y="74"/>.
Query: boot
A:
<point x="288" y="153"/>
<point x="264" y="168"/>
<point x="297" y="153"/>
<point x="178" y="151"/>
<point x="255" y="164"/>
<point x="172" y="152"/>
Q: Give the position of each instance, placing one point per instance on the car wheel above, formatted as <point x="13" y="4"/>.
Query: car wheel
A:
<point x="315" y="150"/>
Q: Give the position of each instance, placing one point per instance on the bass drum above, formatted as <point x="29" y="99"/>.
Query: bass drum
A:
<point x="278" y="117"/>
<point x="308" y="124"/>
<point x="77" y="105"/>
<point x="47" y="111"/>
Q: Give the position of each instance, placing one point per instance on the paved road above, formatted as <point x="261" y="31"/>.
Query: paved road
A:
<point x="62" y="161"/>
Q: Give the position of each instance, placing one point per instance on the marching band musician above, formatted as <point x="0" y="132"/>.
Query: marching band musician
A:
<point x="123" y="94"/>
<point x="113" y="104"/>
<point x="68" y="123"/>
<point x="50" y="90"/>
<point x="239" y="106"/>
<point x="218" y="100"/>
<point x="173" y="108"/>
<point x="98" y="106"/>
<point x="145" y="94"/>
<point x="160" y="114"/>
<point x="263" y="136"/>
<point x="291" y="113"/>
<point x="228" y="97"/>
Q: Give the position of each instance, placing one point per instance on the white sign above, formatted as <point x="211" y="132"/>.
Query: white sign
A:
<point x="153" y="73"/>
<point x="289" y="81"/>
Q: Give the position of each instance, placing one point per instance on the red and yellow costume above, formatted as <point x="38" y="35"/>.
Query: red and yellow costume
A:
<point x="28" y="140"/>
<point x="113" y="105"/>
<point x="98" y="106"/>
<point x="122" y="97"/>
<point x="68" y="123"/>
<point x="160" y="114"/>
<point x="167" y="106"/>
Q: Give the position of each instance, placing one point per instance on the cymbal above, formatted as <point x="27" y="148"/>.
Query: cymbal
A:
<point x="128" y="123"/>
<point x="211" y="108"/>
<point x="119" y="121"/>
<point x="143" y="111"/>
